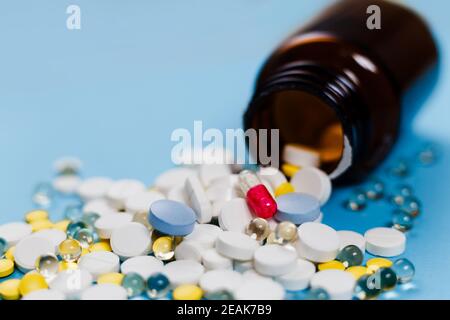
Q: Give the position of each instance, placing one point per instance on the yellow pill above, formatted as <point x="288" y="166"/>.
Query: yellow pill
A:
<point x="284" y="188"/>
<point x="41" y="225"/>
<point x="9" y="289"/>
<point x="357" y="271"/>
<point x="67" y="265"/>
<point x="376" y="263"/>
<point x="84" y="251"/>
<point x="187" y="292"/>
<point x="163" y="248"/>
<point x="113" y="278"/>
<point x="9" y="254"/>
<point x="337" y="265"/>
<point x="6" y="267"/>
<point x="61" y="225"/>
<point x="100" y="246"/>
<point x="31" y="282"/>
<point x="289" y="169"/>
<point x="36" y="215"/>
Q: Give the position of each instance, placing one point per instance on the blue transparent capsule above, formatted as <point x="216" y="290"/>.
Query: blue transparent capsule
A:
<point x="350" y="256"/>
<point x="85" y="237"/>
<point x="158" y="285"/>
<point x="317" y="294"/>
<point x="357" y="201"/>
<point x="134" y="284"/>
<point x="428" y="155"/>
<point x="404" y="269"/>
<point x="368" y="287"/>
<point x="73" y="212"/>
<point x="73" y="227"/>
<point x="399" y="170"/>
<point x="402" y="221"/>
<point x="374" y="189"/>
<point x="412" y="206"/>
<point x="89" y="218"/>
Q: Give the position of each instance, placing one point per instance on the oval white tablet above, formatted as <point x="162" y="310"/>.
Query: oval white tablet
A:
<point x="189" y="250"/>
<point x="100" y="206"/>
<point x="121" y="190"/>
<point x="198" y="199"/>
<point x="94" y="188"/>
<point x="44" y="294"/>
<point x="183" y="272"/>
<point x="71" y="282"/>
<point x="29" y="249"/>
<point x="317" y="242"/>
<point x="99" y="262"/>
<point x="337" y="283"/>
<point x="106" y="224"/>
<point x="212" y="260"/>
<point x="274" y="260"/>
<point x="235" y="215"/>
<point x="66" y="183"/>
<point x="301" y="156"/>
<point x="259" y="289"/>
<point x="13" y="232"/>
<point x="204" y="234"/>
<point x="348" y="238"/>
<point x="178" y="193"/>
<point x="236" y="245"/>
<point x="143" y="265"/>
<point x="105" y="291"/>
<point x="314" y="182"/>
<point x="141" y="201"/>
<point x="385" y="242"/>
<point x="53" y="235"/>
<point x="210" y="172"/>
<point x="218" y="191"/>
<point x="299" y="277"/>
<point x="253" y="274"/>
<point x="130" y="240"/>
<point x="221" y="279"/>
<point x="173" y="178"/>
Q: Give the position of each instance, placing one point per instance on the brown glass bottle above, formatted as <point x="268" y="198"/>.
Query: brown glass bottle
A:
<point x="336" y="85"/>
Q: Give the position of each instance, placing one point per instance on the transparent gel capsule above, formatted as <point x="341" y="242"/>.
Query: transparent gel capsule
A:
<point x="400" y="169"/>
<point x="401" y="220"/>
<point x="43" y="194"/>
<point x="428" y="155"/>
<point x="374" y="189"/>
<point x="219" y="295"/>
<point x="367" y="287"/>
<point x="317" y="294"/>
<point x="350" y="256"/>
<point x="69" y="250"/>
<point x="73" y="212"/>
<point x="142" y="218"/>
<point x="73" y="227"/>
<point x="286" y="231"/>
<point x="85" y="237"/>
<point x="158" y="285"/>
<point x="404" y="269"/>
<point x="134" y="284"/>
<point x="258" y="197"/>
<point x="47" y="265"/>
<point x="3" y="246"/>
<point x="357" y="201"/>
<point x="89" y="218"/>
<point x="387" y="278"/>
<point x="258" y="229"/>
<point x="400" y="193"/>
<point x="412" y="206"/>
<point x="164" y="248"/>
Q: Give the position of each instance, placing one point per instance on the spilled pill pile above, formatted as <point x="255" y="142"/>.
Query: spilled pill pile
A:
<point x="209" y="231"/>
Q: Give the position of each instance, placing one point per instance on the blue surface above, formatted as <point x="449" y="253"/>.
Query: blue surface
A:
<point x="112" y="92"/>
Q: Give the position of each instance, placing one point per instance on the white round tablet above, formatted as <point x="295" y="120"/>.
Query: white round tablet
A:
<point x="94" y="188"/>
<point x="314" y="182"/>
<point x="236" y="245"/>
<point x="212" y="260"/>
<point x="173" y="178"/>
<point x="44" y="294"/>
<point x="189" y="250"/>
<point x="209" y="172"/>
<point x="348" y="238"/>
<point x="317" y="242"/>
<point x="29" y="249"/>
<point x="143" y="265"/>
<point x="106" y="224"/>
<point x="99" y="262"/>
<point x="252" y="274"/>
<point x="130" y="240"/>
<point x="14" y="232"/>
<point x="204" y="234"/>
<point x="299" y="277"/>
<point x="385" y="242"/>
<point x="141" y="201"/>
<point x="100" y="206"/>
<point x="235" y="215"/>
<point x="337" y="283"/>
<point x="221" y="279"/>
<point x="66" y="183"/>
<point x="198" y="199"/>
<point x="183" y="272"/>
<point x="178" y="193"/>
<point x="301" y="156"/>
<point x="53" y="235"/>
<point x="105" y="291"/>
<point x="259" y="289"/>
<point x="71" y="282"/>
<point x="274" y="260"/>
<point x="121" y="190"/>
<point x="221" y="191"/>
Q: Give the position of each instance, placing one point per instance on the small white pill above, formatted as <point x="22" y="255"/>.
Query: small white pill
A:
<point x="235" y="215"/>
<point x="204" y="234"/>
<point x="94" y="188"/>
<point x="314" y="182"/>
<point x="218" y="191"/>
<point x="272" y="175"/>
<point x="183" y="272"/>
<point x="100" y="206"/>
<point x="337" y="283"/>
<point x="99" y="262"/>
<point x="209" y="172"/>
<point x="385" y="242"/>
<point x="14" y="232"/>
<point x="141" y="201"/>
<point x="130" y="240"/>
<point x="66" y="184"/>
<point x="71" y="283"/>
<point x="142" y="265"/>
<point x="189" y="250"/>
<point x="259" y="289"/>
<point x="301" y="156"/>
<point x="317" y="242"/>
<point x="121" y="190"/>
<point x="106" y="224"/>
<point x="29" y="249"/>
<point x="274" y="260"/>
<point x="198" y="199"/>
<point x="216" y="280"/>
<point x="175" y="177"/>
<point x="299" y="277"/>
<point x="44" y="294"/>
<point x="348" y="238"/>
<point x="212" y="260"/>
<point x="105" y="291"/>
<point x="252" y="274"/>
<point x="178" y="193"/>
<point x="236" y="245"/>
<point x="53" y="235"/>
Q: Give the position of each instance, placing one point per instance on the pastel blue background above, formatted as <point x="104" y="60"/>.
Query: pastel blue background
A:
<point x="112" y="92"/>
